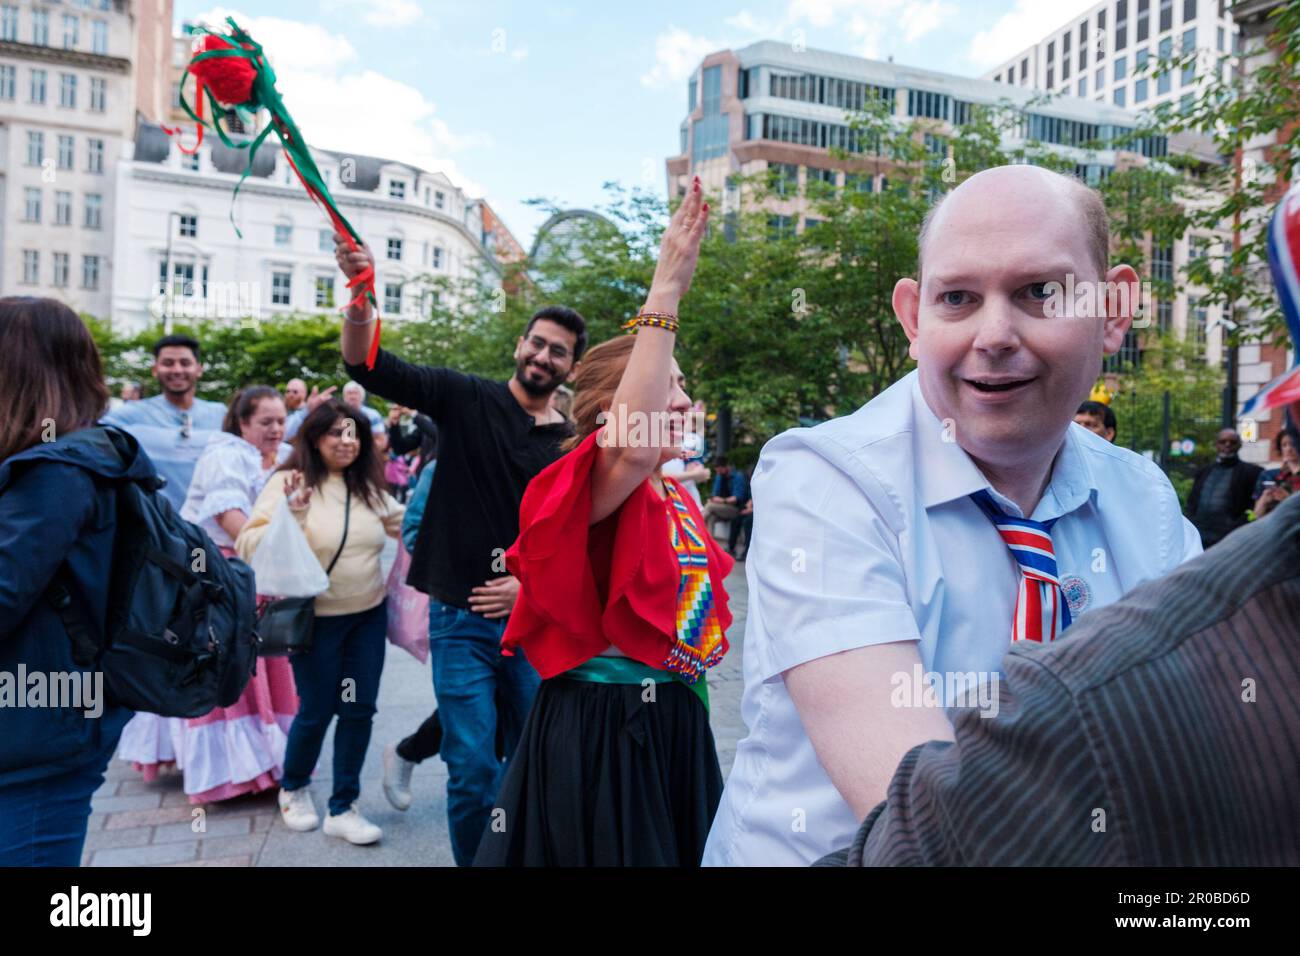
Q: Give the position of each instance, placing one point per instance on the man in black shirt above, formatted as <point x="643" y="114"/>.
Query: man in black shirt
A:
<point x="493" y="437"/>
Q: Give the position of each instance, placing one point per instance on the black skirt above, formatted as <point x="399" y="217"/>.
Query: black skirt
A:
<point x="602" y="777"/>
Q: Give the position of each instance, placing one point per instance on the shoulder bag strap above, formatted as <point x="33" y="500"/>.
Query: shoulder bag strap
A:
<point x="347" y="516"/>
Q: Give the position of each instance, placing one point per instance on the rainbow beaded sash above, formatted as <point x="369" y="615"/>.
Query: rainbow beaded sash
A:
<point x="698" y="645"/>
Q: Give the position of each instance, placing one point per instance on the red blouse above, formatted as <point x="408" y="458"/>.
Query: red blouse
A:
<point x="584" y="587"/>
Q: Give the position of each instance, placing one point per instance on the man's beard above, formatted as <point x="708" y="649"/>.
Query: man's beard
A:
<point x="170" y="389"/>
<point x="535" y="389"/>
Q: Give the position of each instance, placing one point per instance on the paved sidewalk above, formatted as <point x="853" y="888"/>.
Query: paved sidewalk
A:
<point x="153" y="824"/>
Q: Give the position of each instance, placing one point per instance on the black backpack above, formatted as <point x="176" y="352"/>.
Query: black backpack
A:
<point x="180" y="637"/>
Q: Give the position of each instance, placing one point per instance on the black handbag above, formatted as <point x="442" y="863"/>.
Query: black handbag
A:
<point x="286" y="626"/>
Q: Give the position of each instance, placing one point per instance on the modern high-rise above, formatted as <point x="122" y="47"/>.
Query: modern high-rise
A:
<point x="768" y="106"/>
<point x="1100" y="54"/>
<point x="74" y="77"/>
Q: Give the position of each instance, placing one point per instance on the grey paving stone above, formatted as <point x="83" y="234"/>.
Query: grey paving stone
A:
<point x="151" y="855"/>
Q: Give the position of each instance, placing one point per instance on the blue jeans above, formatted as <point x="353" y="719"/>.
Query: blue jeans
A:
<point x="349" y="647"/>
<point x="470" y="675"/>
<point x="43" y="822"/>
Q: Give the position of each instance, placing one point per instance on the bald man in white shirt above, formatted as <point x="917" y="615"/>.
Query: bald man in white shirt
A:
<point x="876" y="575"/>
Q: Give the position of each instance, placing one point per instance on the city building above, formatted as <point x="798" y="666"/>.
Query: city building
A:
<point x="174" y="220"/>
<point x="769" y="106"/>
<point x="74" y="77"/>
<point x="1100" y="53"/>
<point x="1260" y="362"/>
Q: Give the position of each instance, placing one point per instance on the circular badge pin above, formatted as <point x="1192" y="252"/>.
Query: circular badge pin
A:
<point x="1078" y="595"/>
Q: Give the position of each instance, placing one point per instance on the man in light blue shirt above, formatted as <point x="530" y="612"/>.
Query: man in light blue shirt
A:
<point x="879" y="590"/>
<point x="174" y="427"/>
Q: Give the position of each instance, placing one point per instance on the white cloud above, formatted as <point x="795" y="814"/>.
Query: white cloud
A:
<point x="1021" y="27"/>
<point x="385" y="13"/>
<point x="343" y="108"/>
<point x="677" y="52"/>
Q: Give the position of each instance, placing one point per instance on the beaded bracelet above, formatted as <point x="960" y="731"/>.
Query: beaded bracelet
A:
<point x="657" y="320"/>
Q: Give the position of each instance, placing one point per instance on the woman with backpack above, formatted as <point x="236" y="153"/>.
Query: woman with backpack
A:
<point x="335" y="491"/>
<point x="240" y="749"/>
<point x="58" y="472"/>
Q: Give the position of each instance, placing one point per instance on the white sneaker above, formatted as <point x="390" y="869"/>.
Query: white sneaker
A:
<point x="297" y="810"/>
<point x="353" y="827"/>
<point x="397" y="778"/>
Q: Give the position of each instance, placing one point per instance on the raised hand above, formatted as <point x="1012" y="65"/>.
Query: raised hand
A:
<point x="318" y="398"/>
<point x="680" y="248"/>
<point x="297" y="491"/>
<point x="353" y="263"/>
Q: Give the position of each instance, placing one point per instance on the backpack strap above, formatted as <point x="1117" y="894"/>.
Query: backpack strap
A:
<point x="85" y="649"/>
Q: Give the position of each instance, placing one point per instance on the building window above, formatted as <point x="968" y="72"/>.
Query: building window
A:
<point x="1099" y="80"/>
<point x="1162" y="263"/>
<point x="1164" y="80"/>
<point x="1083" y="45"/>
<point x="691" y="89"/>
<point x="395" y="250"/>
<point x="1139" y="92"/>
<point x="324" y="292"/>
<point x="35" y="147"/>
<point x="863" y="183"/>
<point x="71" y="31"/>
<point x="439" y="199"/>
<point x="31" y="205"/>
<point x="68" y="90"/>
<point x="188" y="226"/>
<point x="1196" y="321"/>
<point x="1144" y="20"/>
<point x="37" y="90"/>
<point x="397" y="189"/>
<point x="94" y="211"/>
<point x="780" y="227"/>
<point x="1189" y="11"/>
<point x="90" y="272"/>
<point x="98" y="94"/>
<point x="1121" y="24"/>
<point x="99" y="37"/>
<point x="784" y="178"/>
<point x="283" y="235"/>
<point x="437" y="257"/>
<point x="280" y="288"/>
<point x="1083" y="87"/>
<point x="183" y="279"/>
<point x="326" y="240"/>
<point x="1121" y="68"/>
<point x="1119" y="96"/>
<point x="94" y="155"/>
<point x="31" y="267"/>
<point x="9" y="23"/>
<point x="1166" y="15"/>
<point x="40" y="28"/>
<point x="711" y="98"/>
<point x="393" y="298"/>
<point x="1051" y="77"/>
<point x="62" y="208"/>
<point x="1164" y="315"/>
<point x="62" y="269"/>
<point x="1220" y="39"/>
<point x="1189" y="44"/>
<point x="1024" y="70"/>
<point x="8" y="80"/>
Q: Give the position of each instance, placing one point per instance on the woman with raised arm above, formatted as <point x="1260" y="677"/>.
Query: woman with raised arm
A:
<point x="622" y="611"/>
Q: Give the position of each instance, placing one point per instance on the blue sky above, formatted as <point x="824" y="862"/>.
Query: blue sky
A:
<point x="519" y="100"/>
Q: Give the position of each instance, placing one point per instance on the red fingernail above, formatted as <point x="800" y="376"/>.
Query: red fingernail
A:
<point x="706" y="207"/>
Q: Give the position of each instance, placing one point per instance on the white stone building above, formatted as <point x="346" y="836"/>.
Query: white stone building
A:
<point x="175" y="211"/>
<point x="73" y="78"/>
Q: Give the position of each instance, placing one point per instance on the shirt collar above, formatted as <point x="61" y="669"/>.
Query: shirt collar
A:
<point x="946" y="472"/>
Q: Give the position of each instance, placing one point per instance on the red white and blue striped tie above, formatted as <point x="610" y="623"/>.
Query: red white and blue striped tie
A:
<point x="1041" y="609"/>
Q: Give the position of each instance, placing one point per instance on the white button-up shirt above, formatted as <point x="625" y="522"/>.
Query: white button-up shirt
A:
<point x="864" y="533"/>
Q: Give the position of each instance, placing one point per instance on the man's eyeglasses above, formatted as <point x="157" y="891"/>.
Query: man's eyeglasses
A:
<point x="558" y="352"/>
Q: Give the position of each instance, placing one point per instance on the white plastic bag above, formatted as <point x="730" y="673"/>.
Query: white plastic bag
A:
<point x="284" y="563"/>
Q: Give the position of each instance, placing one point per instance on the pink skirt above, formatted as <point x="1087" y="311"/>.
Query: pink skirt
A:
<point x="228" y="752"/>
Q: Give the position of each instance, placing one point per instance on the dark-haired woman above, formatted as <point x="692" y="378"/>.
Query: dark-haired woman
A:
<point x="239" y="749"/>
<point x="622" y="611"/>
<point x="334" y="486"/>
<point x="58" y="470"/>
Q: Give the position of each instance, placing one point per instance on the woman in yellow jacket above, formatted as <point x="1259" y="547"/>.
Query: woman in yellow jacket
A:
<point x="334" y="472"/>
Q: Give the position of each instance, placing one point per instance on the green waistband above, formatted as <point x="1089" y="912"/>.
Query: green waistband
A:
<point x="624" y="670"/>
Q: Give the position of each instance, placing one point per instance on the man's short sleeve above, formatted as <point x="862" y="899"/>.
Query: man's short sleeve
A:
<point x="434" y="391"/>
<point x="825" y="573"/>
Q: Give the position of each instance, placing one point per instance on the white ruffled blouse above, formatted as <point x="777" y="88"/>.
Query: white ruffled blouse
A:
<point x="227" y="477"/>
